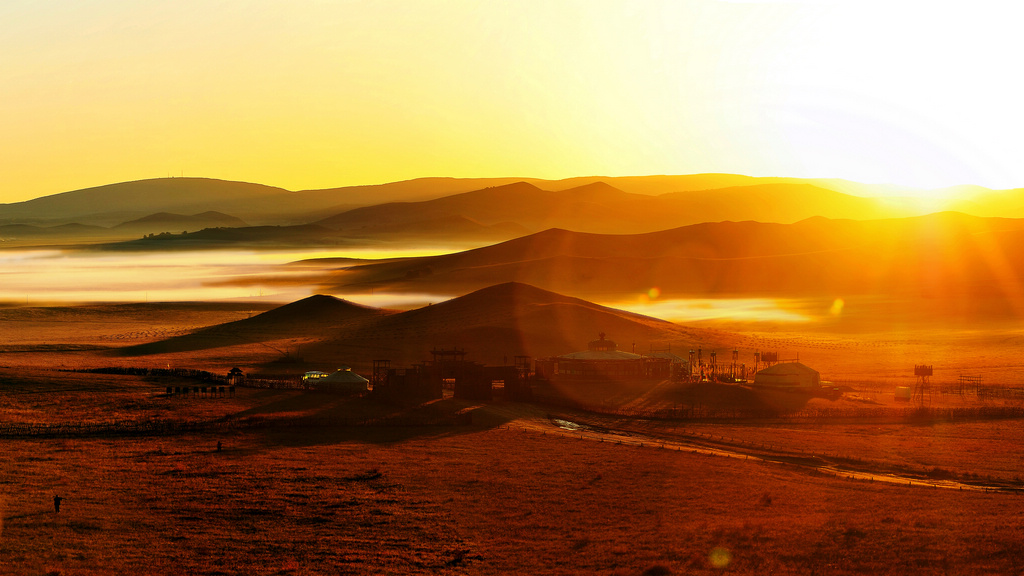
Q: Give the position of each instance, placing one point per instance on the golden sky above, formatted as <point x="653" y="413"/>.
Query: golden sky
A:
<point x="320" y="93"/>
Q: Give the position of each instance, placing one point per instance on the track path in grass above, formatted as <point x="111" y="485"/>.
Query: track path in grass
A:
<point x="529" y="418"/>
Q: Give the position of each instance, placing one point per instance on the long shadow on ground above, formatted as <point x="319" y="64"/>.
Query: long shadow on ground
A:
<point x="310" y="418"/>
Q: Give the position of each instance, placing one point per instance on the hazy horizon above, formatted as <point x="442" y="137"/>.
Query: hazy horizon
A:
<point x="318" y="95"/>
<point x="866" y="189"/>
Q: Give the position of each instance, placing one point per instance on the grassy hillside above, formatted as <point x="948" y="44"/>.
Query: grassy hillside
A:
<point x="493" y="324"/>
<point x="945" y="256"/>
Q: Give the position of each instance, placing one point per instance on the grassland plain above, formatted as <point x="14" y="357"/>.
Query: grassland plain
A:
<point x="480" y="499"/>
<point x="486" y="498"/>
<point x="470" y="500"/>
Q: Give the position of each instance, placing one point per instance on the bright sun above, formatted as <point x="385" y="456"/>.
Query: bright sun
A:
<point x="914" y="93"/>
<point x="324" y="94"/>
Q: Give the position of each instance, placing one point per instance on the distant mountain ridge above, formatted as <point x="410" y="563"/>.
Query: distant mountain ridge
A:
<point x="116" y="203"/>
<point x="602" y="208"/>
<point x="166" y="221"/>
<point x="113" y="204"/>
<point x="159" y="223"/>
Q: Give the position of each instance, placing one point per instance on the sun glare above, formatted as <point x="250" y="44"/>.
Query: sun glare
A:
<point x="717" y="309"/>
<point x="837" y="307"/>
<point x="902" y="92"/>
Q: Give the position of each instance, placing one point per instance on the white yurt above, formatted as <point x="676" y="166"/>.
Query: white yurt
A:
<point x="789" y="376"/>
<point x="343" y="380"/>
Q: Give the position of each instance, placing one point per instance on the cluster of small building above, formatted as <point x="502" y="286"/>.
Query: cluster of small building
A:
<point x="602" y="360"/>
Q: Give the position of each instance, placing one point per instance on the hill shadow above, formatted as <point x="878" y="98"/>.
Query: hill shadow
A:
<point x="318" y="418"/>
<point x="26" y="515"/>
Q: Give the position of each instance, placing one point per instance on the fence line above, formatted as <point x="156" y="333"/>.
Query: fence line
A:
<point x="172" y="427"/>
<point x="691" y="413"/>
<point x="254" y="381"/>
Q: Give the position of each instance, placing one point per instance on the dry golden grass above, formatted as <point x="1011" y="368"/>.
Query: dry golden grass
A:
<point x="470" y="501"/>
<point x="480" y="499"/>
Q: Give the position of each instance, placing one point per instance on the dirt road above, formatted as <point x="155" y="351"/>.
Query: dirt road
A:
<point x="534" y="419"/>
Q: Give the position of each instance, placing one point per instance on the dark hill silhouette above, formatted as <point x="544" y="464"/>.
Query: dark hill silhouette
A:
<point x="498" y="322"/>
<point x="448" y="230"/>
<point x="414" y="190"/>
<point x="250" y="236"/>
<point x="115" y="203"/>
<point x="602" y="208"/>
<point x="317" y="309"/>
<point x="58" y="232"/>
<point x="112" y="204"/>
<point x="313" y="318"/>
<point x="499" y="199"/>
<point x="492" y="324"/>
<point x="741" y="198"/>
<point x="443" y="226"/>
<point x="169" y="222"/>
<point x="501" y="207"/>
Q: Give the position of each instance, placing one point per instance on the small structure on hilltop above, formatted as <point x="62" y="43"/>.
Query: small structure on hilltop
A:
<point x="343" y="380"/>
<point x="789" y="376"/>
<point x="236" y="377"/>
<point x="603" y="360"/>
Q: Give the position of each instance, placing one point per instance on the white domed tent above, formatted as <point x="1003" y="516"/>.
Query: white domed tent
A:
<point x="343" y="380"/>
<point x="789" y="376"/>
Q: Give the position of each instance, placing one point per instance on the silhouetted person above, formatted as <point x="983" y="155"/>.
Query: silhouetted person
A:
<point x="56" y="503"/>
<point x="218" y="445"/>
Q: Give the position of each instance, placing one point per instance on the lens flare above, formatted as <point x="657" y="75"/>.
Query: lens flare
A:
<point x="837" y="307"/>
<point x="653" y="293"/>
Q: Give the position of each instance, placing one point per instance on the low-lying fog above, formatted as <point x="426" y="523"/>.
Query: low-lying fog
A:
<point x="48" y="276"/>
<point x="51" y="276"/>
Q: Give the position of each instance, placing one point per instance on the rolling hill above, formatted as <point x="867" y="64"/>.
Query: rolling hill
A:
<point x="948" y="256"/>
<point x="21" y="234"/>
<point x="168" y="222"/>
<point x="492" y="324"/>
<point x="486" y="209"/>
<point x="316" y="317"/>
<point x="250" y="236"/>
<point x="74" y="233"/>
<point x="602" y="208"/>
<point x="114" y="204"/>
